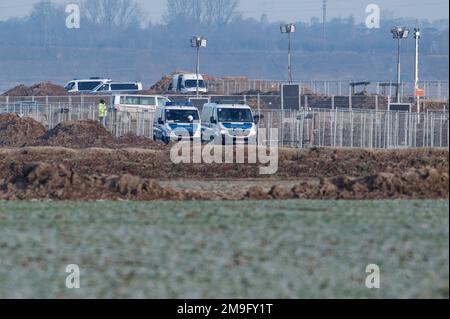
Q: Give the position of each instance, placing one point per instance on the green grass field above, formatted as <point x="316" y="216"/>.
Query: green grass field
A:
<point x="291" y="249"/>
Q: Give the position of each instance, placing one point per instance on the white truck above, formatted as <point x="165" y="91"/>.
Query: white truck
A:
<point x="187" y="83"/>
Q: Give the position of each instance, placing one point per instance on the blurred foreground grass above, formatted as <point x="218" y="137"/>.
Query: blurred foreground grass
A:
<point x="289" y="249"/>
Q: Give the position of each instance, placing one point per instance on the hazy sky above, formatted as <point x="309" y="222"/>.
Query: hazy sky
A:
<point x="281" y="9"/>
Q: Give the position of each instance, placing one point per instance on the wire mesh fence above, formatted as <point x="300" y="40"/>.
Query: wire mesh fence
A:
<point x="296" y="128"/>
<point x="434" y="89"/>
<point x="357" y="128"/>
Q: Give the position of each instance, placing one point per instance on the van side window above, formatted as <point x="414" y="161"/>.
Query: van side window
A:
<point x="124" y="87"/>
<point x="88" y="86"/>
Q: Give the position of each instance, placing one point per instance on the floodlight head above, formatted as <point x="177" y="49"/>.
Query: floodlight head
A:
<point x="400" y="32"/>
<point x="416" y="33"/>
<point x="287" y="28"/>
<point x="194" y="42"/>
<point x="405" y="33"/>
<point x="199" y="42"/>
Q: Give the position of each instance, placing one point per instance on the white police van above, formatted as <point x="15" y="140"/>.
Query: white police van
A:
<point x="229" y="124"/>
<point x="85" y="85"/>
<point x="176" y="121"/>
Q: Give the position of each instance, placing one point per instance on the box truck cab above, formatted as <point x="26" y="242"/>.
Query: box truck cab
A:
<point x="187" y="83"/>
<point x="86" y="85"/>
<point x="176" y="122"/>
<point x="229" y="124"/>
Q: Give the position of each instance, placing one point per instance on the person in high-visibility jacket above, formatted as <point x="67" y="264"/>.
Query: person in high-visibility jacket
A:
<point x="102" y="112"/>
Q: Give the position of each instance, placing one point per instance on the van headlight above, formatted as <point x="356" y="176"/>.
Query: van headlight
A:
<point x="253" y="132"/>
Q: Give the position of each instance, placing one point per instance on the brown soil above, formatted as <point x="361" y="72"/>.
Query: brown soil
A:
<point x="59" y="173"/>
<point x="16" y="131"/>
<point x="89" y="134"/>
<point x="435" y="106"/>
<point x="40" y="89"/>
<point x="77" y="134"/>
<point x="132" y="140"/>
<point x="423" y="183"/>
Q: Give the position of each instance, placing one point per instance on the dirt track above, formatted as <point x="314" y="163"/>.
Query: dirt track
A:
<point x="71" y="174"/>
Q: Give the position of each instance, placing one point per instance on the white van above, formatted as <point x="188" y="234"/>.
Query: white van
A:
<point x="229" y="124"/>
<point x="187" y="83"/>
<point x="85" y="86"/>
<point x="137" y="103"/>
<point x="176" y="122"/>
<point x="118" y="87"/>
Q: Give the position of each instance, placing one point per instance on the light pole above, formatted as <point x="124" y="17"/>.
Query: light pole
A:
<point x="198" y="42"/>
<point x="399" y="33"/>
<point x="416" y="69"/>
<point x="288" y="28"/>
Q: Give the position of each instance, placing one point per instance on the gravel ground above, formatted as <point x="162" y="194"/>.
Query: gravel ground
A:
<point x="265" y="249"/>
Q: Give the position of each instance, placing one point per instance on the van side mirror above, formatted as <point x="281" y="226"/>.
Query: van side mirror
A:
<point x="258" y="118"/>
<point x="160" y="121"/>
<point x="212" y="120"/>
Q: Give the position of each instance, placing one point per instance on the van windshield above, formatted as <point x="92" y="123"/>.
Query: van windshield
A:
<point x="193" y="84"/>
<point x="181" y="116"/>
<point x="70" y="86"/>
<point x="234" y="115"/>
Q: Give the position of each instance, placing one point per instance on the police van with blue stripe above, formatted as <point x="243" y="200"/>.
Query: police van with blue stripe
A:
<point x="176" y="122"/>
<point x="229" y="124"/>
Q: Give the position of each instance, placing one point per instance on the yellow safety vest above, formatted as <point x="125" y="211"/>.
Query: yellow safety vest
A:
<point x="102" y="112"/>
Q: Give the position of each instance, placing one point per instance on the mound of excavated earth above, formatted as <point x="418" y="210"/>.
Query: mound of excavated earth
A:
<point x="40" y="89"/>
<point x="16" y="131"/>
<point x="77" y="134"/>
<point x="71" y="174"/>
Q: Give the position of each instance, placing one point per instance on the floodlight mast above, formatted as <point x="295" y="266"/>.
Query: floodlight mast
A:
<point x="399" y="33"/>
<point x="198" y="42"/>
<point x="288" y="28"/>
<point x="416" y="68"/>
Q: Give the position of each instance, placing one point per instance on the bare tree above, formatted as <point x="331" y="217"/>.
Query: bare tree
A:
<point x="46" y="17"/>
<point x="221" y="12"/>
<point x="119" y="13"/>
<point x="208" y="12"/>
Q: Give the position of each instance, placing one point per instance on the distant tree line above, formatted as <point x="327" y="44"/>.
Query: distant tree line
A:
<point x="122" y="24"/>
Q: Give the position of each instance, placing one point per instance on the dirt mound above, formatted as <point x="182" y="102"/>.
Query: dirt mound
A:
<point x="40" y="89"/>
<point x="56" y="182"/>
<point x="128" y="173"/>
<point x="132" y="140"/>
<point x="424" y="183"/>
<point x="46" y="181"/>
<point x="78" y="134"/>
<point x="16" y="131"/>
